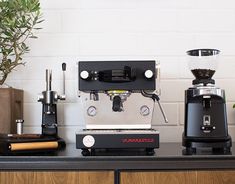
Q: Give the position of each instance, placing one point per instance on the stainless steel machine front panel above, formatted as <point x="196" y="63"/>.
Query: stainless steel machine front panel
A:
<point x="137" y="113"/>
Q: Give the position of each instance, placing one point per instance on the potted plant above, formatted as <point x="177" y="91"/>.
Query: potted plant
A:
<point x="18" y="20"/>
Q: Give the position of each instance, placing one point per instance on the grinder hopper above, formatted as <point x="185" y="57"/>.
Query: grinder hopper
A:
<point x="203" y="64"/>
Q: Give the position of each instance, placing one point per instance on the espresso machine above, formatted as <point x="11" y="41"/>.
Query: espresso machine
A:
<point x="118" y="103"/>
<point x="205" y="106"/>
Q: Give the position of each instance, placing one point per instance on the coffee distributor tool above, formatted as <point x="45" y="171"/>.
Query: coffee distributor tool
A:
<point x="48" y="140"/>
<point x="205" y="106"/>
<point x="118" y="102"/>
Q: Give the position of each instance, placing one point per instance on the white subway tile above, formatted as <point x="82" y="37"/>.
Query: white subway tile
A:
<point x="60" y="4"/>
<point x="54" y="44"/>
<point x="32" y="88"/>
<point x="171" y="44"/>
<point x="207" y="21"/>
<point x="35" y="68"/>
<point x="149" y="21"/>
<point x="52" y="22"/>
<point x="13" y="83"/>
<point x="73" y="114"/>
<point x="92" y="21"/>
<point x="153" y="5"/>
<point x="181" y="113"/>
<point x="170" y="133"/>
<point x="184" y="70"/>
<point x="225" y="42"/>
<point x="170" y="67"/>
<point x="231" y="130"/>
<point x="214" y="4"/>
<point x="226" y="68"/>
<point x="32" y="114"/>
<point x="17" y="73"/>
<point x="173" y="90"/>
<point x="68" y="133"/>
<point x="32" y="130"/>
<point x="226" y="84"/>
<point x="109" y="44"/>
<point x="230" y="113"/>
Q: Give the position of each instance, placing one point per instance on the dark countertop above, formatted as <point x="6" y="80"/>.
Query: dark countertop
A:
<point x="167" y="157"/>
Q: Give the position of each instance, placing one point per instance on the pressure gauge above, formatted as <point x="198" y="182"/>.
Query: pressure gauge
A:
<point x="91" y="111"/>
<point x="144" y="110"/>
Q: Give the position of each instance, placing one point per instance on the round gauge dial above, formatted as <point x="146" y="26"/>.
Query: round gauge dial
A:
<point x="91" y="111"/>
<point x="144" y="110"/>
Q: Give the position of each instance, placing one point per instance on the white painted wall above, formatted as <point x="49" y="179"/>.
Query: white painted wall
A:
<point x="127" y="29"/>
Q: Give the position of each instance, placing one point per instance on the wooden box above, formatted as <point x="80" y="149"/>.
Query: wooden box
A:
<point x="11" y="108"/>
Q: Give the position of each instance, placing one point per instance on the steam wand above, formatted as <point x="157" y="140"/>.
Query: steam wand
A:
<point x="155" y="97"/>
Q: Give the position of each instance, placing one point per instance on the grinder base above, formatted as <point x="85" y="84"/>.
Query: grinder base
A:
<point x="220" y="145"/>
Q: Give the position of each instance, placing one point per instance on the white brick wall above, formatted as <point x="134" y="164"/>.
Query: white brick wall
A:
<point x="127" y="29"/>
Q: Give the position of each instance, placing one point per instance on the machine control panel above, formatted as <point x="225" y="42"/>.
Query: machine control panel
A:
<point x="115" y="75"/>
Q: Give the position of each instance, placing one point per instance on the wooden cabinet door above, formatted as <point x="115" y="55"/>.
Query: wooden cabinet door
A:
<point x="183" y="177"/>
<point x="215" y="177"/>
<point x="56" y="177"/>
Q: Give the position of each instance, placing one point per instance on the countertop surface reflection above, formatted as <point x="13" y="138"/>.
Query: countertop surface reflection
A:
<point x="169" y="156"/>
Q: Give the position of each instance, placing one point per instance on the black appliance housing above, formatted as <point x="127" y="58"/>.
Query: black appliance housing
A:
<point x="205" y="112"/>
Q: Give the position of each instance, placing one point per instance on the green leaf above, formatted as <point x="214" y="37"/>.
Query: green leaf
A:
<point x="18" y="20"/>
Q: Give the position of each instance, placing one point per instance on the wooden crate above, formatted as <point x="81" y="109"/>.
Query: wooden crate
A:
<point x="11" y="108"/>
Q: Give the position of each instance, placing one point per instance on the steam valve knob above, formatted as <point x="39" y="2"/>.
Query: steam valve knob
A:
<point x="148" y="74"/>
<point x="84" y="75"/>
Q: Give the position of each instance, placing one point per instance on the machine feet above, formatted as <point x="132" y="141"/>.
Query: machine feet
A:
<point x="189" y="151"/>
<point x="86" y="152"/>
<point x="202" y="151"/>
<point x="150" y="151"/>
<point x="117" y="152"/>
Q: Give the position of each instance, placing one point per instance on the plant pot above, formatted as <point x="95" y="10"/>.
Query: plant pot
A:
<point x="11" y="108"/>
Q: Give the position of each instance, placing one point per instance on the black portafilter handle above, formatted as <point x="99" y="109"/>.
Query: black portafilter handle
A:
<point x="117" y="104"/>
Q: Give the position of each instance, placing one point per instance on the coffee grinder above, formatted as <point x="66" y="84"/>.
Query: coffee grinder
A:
<point x="205" y="107"/>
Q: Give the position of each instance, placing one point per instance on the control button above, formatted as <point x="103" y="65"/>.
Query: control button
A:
<point x="84" y="74"/>
<point x="148" y="74"/>
<point x="88" y="141"/>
